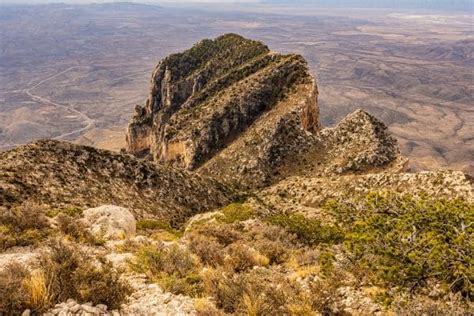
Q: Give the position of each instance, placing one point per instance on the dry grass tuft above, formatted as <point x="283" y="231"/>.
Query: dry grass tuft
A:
<point x="40" y="294"/>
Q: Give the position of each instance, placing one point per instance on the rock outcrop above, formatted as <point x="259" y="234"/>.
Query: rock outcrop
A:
<point x="61" y="174"/>
<point x="358" y="144"/>
<point x="210" y="96"/>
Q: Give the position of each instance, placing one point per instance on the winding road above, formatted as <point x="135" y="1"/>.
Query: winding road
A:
<point x="87" y="120"/>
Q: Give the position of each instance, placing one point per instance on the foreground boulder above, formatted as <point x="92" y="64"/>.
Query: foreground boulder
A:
<point x="110" y="221"/>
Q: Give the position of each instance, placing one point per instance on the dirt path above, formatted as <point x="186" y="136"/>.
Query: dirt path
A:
<point x="87" y="120"/>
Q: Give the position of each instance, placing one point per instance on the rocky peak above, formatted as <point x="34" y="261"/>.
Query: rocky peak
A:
<point x="203" y="99"/>
<point x="361" y="142"/>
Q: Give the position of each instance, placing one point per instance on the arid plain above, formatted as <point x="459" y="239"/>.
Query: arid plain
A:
<point x="76" y="72"/>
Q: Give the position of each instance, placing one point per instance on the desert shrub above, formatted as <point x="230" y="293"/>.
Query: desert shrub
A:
<point x="418" y="305"/>
<point x="272" y="241"/>
<point x="308" y="230"/>
<point x="101" y="285"/>
<point x="256" y="292"/>
<point x="158" y="229"/>
<point x="323" y="291"/>
<point x="28" y="237"/>
<point x="240" y="257"/>
<point x="225" y="234"/>
<point x="271" y="232"/>
<point x="404" y="240"/>
<point x="206" y="307"/>
<point x="209" y="251"/>
<point x="76" y="230"/>
<point x="275" y="251"/>
<point x="21" y="289"/>
<point x="152" y="224"/>
<point x="61" y="273"/>
<point x="163" y="235"/>
<point x="27" y="216"/>
<point x="13" y="295"/>
<point x="70" y="273"/>
<point x="173" y="268"/>
<point x="70" y="211"/>
<point x="40" y="296"/>
<point x="132" y="245"/>
<point x="23" y="226"/>
<point x="236" y="212"/>
<point x="223" y="288"/>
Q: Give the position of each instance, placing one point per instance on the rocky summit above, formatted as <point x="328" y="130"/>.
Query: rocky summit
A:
<point x="232" y="199"/>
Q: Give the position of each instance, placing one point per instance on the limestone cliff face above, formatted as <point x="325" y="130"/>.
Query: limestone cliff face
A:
<point x="138" y="133"/>
<point x="205" y="98"/>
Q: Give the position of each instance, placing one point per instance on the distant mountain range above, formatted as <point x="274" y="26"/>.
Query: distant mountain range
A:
<point x="446" y="5"/>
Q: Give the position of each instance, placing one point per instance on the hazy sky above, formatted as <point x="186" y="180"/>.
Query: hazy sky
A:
<point x="444" y="5"/>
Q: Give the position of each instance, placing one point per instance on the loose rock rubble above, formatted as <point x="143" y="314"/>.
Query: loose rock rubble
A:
<point x="147" y="299"/>
<point x="71" y="307"/>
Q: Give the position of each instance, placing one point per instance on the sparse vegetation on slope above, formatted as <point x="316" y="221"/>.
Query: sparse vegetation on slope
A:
<point x="70" y="177"/>
<point x="388" y="248"/>
<point x="23" y="225"/>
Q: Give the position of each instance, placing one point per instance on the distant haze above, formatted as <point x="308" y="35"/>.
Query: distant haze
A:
<point x="441" y="5"/>
<point x="448" y="5"/>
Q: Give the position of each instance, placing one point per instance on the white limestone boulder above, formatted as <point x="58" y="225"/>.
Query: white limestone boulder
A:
<point x="110" y="221"/>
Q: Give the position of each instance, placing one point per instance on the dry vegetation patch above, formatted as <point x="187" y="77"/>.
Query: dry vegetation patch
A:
<point x="62" y="272"/>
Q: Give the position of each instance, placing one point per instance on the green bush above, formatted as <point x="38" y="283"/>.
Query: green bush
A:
<point x="405" y="240"/>
<point x="150" y="226"/>
<point x="308" y="230"/>
<point x="236" y="212"/>
<point x="70" y="211"/>
<point x="173" y="268"/>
